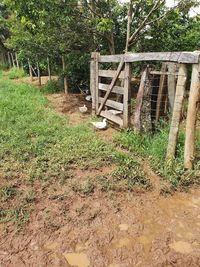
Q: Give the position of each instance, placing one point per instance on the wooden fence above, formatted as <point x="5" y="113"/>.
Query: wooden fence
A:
<point x="119" y="78"/>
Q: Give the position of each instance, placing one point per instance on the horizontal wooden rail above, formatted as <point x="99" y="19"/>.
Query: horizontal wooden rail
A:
<point x="112" y="104"/>
<point x="179" y="57"/>
<point x="116" y="89"/>
<point x="111" y="117"/>
<point x="110" y="73"/>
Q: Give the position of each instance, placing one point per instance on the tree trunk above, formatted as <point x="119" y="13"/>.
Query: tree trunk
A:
<point x="191" y="117"/>
<point x="49" y="69"/>
<point x="130" y="14"/>
<point x="177" y="111"/>
<point x="65" y="79"/>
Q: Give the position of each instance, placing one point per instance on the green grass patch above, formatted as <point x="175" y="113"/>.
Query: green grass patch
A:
<point x="15" y="73"/>
<point x="153" y="148"/>
<point x="52" y="87"/>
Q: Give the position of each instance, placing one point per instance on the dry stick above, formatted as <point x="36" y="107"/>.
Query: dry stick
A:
<point x="65" y="79"/>
<point x="161" y="91"/>
<point x="191" y="117"/>
<point x="49" y="68"/>
<point x="30" y="70"/>
<point x="111" y="86"/>
<point x="39" y="76"/>
<point x="171" y="83"/>
<point x="127" y="93"/>
<point x="137" y="121"/>
<point x="177" y="111"/>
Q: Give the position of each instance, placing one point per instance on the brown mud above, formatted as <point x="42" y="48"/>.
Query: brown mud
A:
<point x="104" y="229"/>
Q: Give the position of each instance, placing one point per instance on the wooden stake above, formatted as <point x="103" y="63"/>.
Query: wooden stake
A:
<point x="127" y="93"/>
<point x="177" y="111"/>
<point x="39" y="76"/>
<point x="49" y="68"/>
<point x="9" y="60"/>
<point x="30" y="71"/>
<point x="16" y="58"/>
<point x="191" y="117"/>
<point x="13" y="61"/>
<point x="93" y="77"/>
<point x="65" y="79"/>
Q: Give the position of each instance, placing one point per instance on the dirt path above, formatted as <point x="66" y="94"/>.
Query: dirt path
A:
<point x="105" y="229"/>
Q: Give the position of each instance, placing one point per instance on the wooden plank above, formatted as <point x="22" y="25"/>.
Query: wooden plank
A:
<point x="177" y="111"/>
<point x="127" y="95"/>
<point x="180" y="57"/>
<point x="111" y="86"/>
<point x="112" y="117"/>
<point x="112" y="104"/>
<point x="110" y="74"/>
<point x="161" y="91"/>
<point x="191" y="117"/>
<point x="155" y="72"/>
<point x="116" y="89"/>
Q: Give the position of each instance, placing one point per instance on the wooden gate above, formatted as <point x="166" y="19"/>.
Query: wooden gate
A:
<point x="114" y="95"/>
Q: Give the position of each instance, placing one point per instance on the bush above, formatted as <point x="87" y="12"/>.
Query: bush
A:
<point x="15" y="73"/>
<point x="51" y="87"/>
<point x="3" y="66"/>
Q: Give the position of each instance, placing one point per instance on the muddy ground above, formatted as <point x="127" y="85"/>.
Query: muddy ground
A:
<point x="104" y="229"/>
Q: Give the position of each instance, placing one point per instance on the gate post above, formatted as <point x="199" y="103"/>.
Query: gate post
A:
<point x="127" y="95"/>
<point x="191" y="117"/>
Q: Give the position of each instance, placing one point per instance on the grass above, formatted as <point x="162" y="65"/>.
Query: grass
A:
<point x="38" y="145"/>
<point x="153" y="148"/>
<point x="52" y="87"/>
<point x="15" y="73"/>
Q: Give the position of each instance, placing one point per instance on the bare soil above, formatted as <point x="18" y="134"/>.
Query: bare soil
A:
<point x="103" y="229"/>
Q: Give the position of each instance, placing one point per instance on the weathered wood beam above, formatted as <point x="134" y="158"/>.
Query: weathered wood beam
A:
<point x="171" y="83"/>
<point x="112" y="104"/>
<point x="127" y="96"/>
<point x="106" y="114"/>
<point x="116" y="89"/>
<point x="179" y="57"/>
<point x="110" y="74"/>
<point x="177" y="111"/>
<point x="194" y="98"/>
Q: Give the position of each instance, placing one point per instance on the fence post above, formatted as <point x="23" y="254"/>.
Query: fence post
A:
<point x="191" y="117"/>
<point x="93" y="77"/>
<point x="177" y="111"/>
<point x="127" y="95"/>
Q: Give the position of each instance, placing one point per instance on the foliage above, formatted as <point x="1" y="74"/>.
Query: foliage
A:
<point x="15" y="73"/>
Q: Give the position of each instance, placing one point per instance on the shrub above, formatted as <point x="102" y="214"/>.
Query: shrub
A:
<point x="15" y="73"/>
<point x="51" y="87"/>
<point x="3" y="66"/>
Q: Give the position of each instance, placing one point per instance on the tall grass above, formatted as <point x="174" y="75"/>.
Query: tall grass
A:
<point x="15" y="73"/>
<point x="153" y="148"/>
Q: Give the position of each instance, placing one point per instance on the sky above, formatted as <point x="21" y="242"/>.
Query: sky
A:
<point x="170" y="3"/>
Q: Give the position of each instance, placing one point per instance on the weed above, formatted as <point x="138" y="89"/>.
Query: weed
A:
<point x="15" y="73"/>
<point x="7" y="192"/>
<point x="51" y="87"/>
<point x="30" y="197"/>
<point x="19" y="216"/>
<point x="86" y="188"/>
